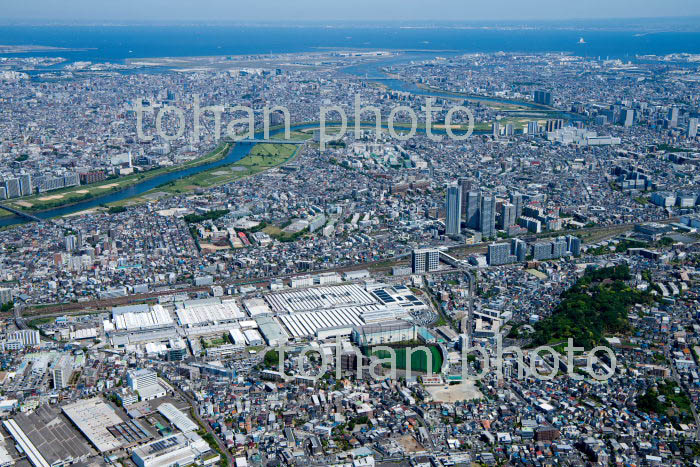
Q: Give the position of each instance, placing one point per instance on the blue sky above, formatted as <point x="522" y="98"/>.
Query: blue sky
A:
<point x="356" y="10"/>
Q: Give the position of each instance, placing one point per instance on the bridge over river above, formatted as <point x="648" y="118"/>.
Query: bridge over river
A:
<point x="26" y="215"/>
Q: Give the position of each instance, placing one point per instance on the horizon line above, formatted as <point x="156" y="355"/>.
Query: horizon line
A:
<point x="298" y="22"/>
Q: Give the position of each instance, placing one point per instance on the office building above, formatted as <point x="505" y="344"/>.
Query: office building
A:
<point x="62" y="372"/>
<point x="453" y="207"/>
<point x="139" y="379"/>
<point x="692" y="127"/>
<point x="145" y="382"/>
<point x="142" y="378"/>
<point x="177" y="351"/>
<point x="424" y="260"/>
<point x="487" y="221"/>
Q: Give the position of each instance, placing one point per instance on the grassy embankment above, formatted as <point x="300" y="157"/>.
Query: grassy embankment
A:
<point x="262" y="157"/>
<point x="72" y="195"/>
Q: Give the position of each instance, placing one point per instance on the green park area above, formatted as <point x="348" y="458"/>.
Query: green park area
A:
<point x="594" y="307"/>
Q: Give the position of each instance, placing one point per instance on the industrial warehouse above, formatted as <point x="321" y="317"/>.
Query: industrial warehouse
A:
<point x="212" y="328"/>
<point x="319" y="298"/>
<point x="320" y="313"/>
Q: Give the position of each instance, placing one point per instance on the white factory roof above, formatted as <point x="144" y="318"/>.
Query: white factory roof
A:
<point x="317" y="298"/>
<point x="25" y="443"/>
<point x="248" y="324"/>
<point x="155" y="317"/>
<point x="120" y="310"/>
<point x="256" y="306"/>
<point x="209" y="313"/>
<point x="238" y="337"/>
<point x="252" y="335"/>
<point x="152" y="391"/>
<point x="209" y="329"/>
<point x="85" y="333"/>
<point x="92" y="417"/>
<point x="177" y="418"/>
<point x="178" y="449"/>
<point x="307" y="323"/>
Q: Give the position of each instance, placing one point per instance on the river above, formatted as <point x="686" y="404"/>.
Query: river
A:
<point x="238" y="152"/>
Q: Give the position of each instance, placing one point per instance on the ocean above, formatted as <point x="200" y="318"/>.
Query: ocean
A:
<point x="116" y="43"/>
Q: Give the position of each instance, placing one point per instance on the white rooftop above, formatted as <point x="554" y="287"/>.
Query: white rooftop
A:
<point x="92" y="417"/>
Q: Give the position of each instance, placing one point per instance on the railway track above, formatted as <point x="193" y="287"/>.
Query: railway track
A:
<point x="384" y="264"/>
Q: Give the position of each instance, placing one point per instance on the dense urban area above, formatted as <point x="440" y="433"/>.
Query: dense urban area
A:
<point x="218" y="294"/>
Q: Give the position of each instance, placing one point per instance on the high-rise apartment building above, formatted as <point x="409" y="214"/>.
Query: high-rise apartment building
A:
<point x="516" y="198"/>
<point x="473" y="207"/>
<point x="543" y="97"/>
<point x="508" y="216"/>
<point x="453" y="211"/>
<point x="25" y="185"/>
<point x="488" y="216"/>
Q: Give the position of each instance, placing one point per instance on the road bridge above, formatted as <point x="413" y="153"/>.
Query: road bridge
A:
<point x="265" y="141"/>
<point x="22" y="213"/>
